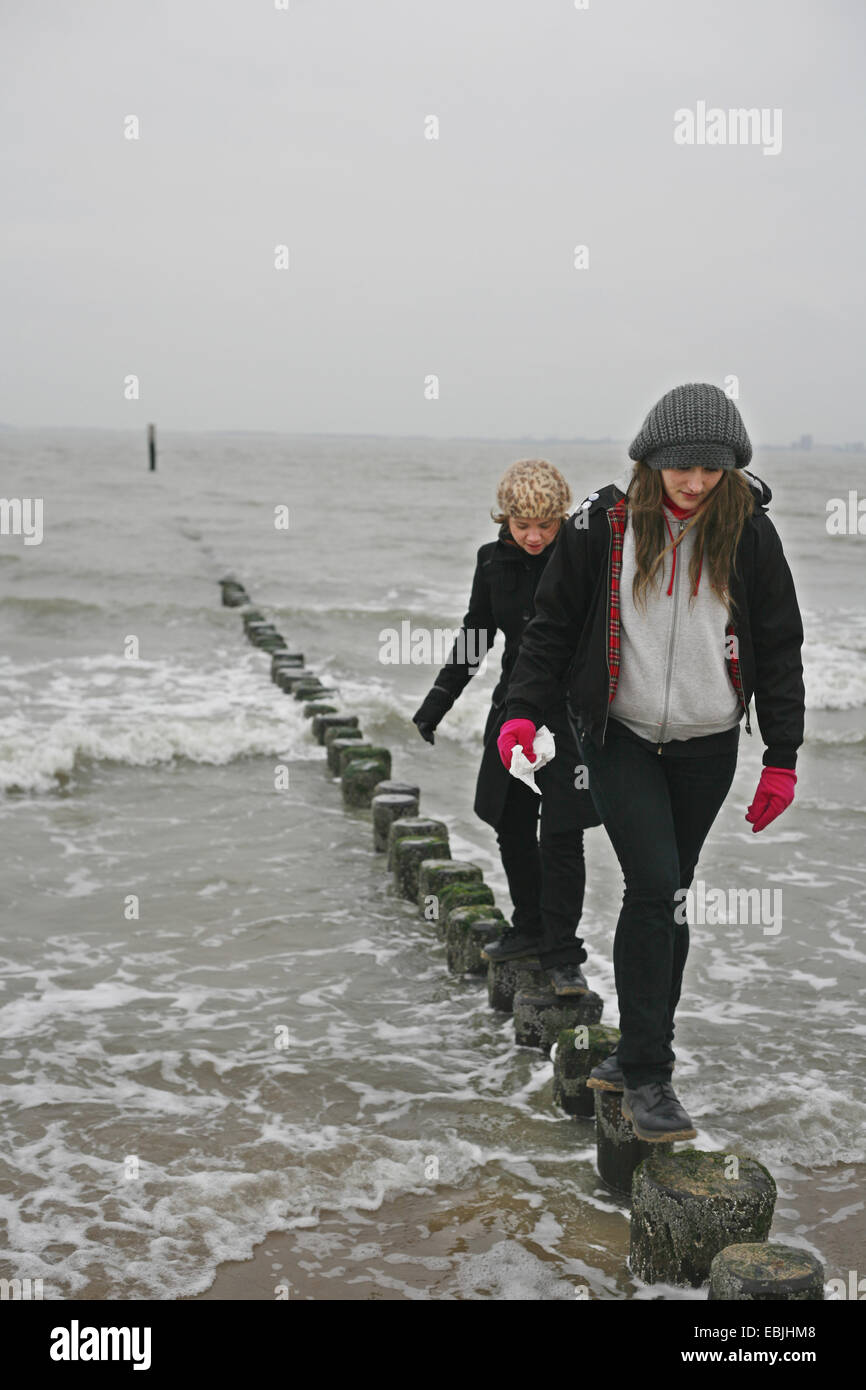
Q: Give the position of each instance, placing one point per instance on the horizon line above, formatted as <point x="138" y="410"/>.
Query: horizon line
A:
<point x="433" y="438"/>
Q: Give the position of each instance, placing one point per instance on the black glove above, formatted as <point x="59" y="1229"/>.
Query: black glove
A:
<point x="435" y="704"/>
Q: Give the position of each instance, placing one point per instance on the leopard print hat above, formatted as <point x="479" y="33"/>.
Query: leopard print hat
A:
<point x="533" y="488"/>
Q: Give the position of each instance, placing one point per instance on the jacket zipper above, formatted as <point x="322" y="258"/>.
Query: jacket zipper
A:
<point x="745" y="710"/>
<point x="669" y="672"/>
<point x="607" y="624"/>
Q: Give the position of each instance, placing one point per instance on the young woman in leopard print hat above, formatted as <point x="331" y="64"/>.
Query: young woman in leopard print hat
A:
<point x="546" y="874"/>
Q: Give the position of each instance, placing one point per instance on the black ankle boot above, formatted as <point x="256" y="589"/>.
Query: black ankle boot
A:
<point x="607" y="1076"/>
<point x="513" y="944"/>
<point x="655" y="1113"/>
<point x="567" y="979"/>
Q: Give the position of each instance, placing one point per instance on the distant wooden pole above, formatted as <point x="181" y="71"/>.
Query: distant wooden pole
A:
<point x="151" y="446"/>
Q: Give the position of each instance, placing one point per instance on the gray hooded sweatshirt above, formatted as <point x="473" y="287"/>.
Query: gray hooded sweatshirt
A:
<point x="673" y="681"/>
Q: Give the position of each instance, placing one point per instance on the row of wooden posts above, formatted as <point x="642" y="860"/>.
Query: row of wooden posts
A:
<point x="696" y="1217"/>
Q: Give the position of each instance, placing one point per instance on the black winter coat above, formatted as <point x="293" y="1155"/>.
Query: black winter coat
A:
<point x="571" y="646"/>
<point x="502" y="599"/>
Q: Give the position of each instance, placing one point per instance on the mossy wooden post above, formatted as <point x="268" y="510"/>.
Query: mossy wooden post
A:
<point x="391" y="788"/>
<point x="283" y="659"/>
<point x="455" y="896"/>
<point x="322" y="724"/>
<point x="766" y="1273"/>
<point x="336" y="739"/>
<point x="540" y="1014"/>
<point x="417" y="827"/>
<point x="288" y="677"/>
<point x="578" y="1050"/>
<point x="260" y="634"/>
<point x="531" y="978"/>
<point x="687" y="1206"/>
<point x="468" y="931"/>
<point x="233" y="593"/>
<point x="438" y="874"/>
<point x="388" y="807"/>
<point x="302" y="684"/>
<point x="340" y="730"/>
<point x="410" y="851"/>
<point x="364" y="751"/>
<point x="532" y="995"/>
<point x="618" y="1151"/>
<point x="312" y="690"/>
<point x="502" y="981"/>
<point x="356" y="750"/>
<point x="318" y="707"/>
<point x="361" y="776"/>
<point x="151" y="448"/>
<point x="338" y="746"/>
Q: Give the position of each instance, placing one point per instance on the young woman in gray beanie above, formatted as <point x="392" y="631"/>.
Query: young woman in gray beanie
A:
<point x="546" y="875"/>
<point x="666" y="605"/>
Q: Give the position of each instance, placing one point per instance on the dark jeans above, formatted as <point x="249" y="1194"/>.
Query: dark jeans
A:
<point x="657" y="809"/>
<point x="546" y="874"/>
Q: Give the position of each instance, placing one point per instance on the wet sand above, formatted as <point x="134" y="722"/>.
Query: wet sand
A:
<point x="413" y="1247"/>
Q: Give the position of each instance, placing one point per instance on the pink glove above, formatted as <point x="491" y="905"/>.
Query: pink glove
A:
<point x="774" y="795"/>
<point x="516" y="731"/>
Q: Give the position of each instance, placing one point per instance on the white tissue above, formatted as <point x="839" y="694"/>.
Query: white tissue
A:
<point x="544" y="748"/>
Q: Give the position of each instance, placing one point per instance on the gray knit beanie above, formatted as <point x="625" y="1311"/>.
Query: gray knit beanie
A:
<point x="693" y="426"/>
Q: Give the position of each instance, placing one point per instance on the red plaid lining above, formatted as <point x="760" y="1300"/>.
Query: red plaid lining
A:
<point x="734" y="665"/>
<point x="617" y="518"/>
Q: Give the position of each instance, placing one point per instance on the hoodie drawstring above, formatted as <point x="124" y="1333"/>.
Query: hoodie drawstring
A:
<point x="675" y="547"/>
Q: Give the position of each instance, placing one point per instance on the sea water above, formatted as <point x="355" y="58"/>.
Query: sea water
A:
<point x="219" y="1024"/>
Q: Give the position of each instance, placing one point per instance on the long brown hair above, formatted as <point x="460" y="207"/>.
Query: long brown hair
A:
<point x="718" y="526"/>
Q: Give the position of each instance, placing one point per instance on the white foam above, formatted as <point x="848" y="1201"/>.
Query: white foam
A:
<point x="834" y="660"/>
<point x="105" y="709"/>
<point x="509" y="1272"/>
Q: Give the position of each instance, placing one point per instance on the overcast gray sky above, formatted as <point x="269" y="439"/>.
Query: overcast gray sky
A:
<point x="408" y="256"/>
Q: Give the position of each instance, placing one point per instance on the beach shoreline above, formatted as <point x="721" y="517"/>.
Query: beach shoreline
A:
<point x="448" y="1225"/>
